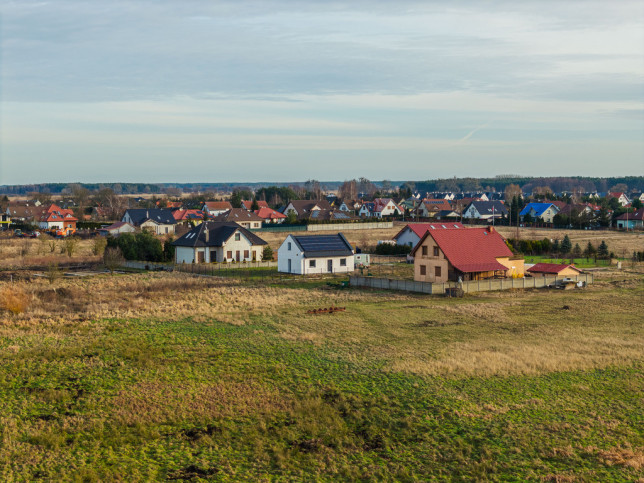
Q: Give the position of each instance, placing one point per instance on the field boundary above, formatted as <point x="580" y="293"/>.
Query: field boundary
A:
<point x="467" y="287"/>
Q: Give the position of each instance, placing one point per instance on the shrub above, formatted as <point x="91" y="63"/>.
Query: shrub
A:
<point x="112" y="259"/>
<point x="53" y="273"/>
<point x="392" y="249"/>
<point x="70" y="245"/>
<point x="267" y="253"/>
<point x="13" y="299"/>
<point x="99" y="245"/>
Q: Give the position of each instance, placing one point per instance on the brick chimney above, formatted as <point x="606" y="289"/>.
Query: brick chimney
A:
<point x="490" y="229"/>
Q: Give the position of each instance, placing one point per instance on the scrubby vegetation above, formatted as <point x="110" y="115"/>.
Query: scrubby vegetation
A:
<point x="166" y="376"/>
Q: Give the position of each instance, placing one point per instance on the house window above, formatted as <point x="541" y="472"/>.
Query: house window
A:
<point x="237" y="237"/>
<point x="289" y="246"/>
<point x="437" y="271"/>
<point x="424" y="251"/>
<point x="311" y="263"/>
<point x="343" y="262"/>
<point x="423" y="270"/>
<point x="246" y="254"/>
<point x="435" y="251"/>
<point x="229" y="254"/>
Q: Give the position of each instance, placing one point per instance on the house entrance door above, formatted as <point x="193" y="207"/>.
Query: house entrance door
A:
<point x="238" y="256"/>
<point x="289" y="266"/>
<point x="330" y="266"/>
<point x="200" y="257"/>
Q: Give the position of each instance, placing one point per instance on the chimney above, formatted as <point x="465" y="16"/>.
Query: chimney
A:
<point x="207" y="234"/>
<point x="490" y="229"/>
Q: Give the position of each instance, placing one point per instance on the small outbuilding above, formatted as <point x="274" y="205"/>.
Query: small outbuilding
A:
<point x="117" y="228"/>
<point x="309" y="254"/>
<point x="560" y="269"/>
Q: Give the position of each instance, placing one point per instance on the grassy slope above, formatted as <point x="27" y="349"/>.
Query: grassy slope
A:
<point x="503" y="386"/>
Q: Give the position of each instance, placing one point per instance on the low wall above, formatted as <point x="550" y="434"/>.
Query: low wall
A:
<point x="467" y="287"/>
<point x="351" y="226"/>
<point x="197" y="267"/>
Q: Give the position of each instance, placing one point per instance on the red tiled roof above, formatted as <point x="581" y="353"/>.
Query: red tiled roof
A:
<point x="260" y="203"/>
<point x="421" y="228"/>
<point x="437" y="204"/>
<point x="269" y="214"/>
<point x="218" y="205"/>
<point x="550" y="268"/>
<point x="472" y="249"/>
<point x="187" y="214"/>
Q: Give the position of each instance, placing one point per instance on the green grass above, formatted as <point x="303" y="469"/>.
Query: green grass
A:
<point x="579" y="262"/>
<point x="291" y="396"/>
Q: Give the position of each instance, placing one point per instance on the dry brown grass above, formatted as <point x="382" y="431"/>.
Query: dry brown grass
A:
<point x="14" y="299"/>
<point x="38" y="253"/>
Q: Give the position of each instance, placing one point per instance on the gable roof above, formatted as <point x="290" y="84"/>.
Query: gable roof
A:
<point x="159" y="215"/>
<point x="550" y="268"/>
<point x="436" y="204"/>
<point x="304" y="206"/>
<point x="248" y="204"/>
<point x="266" y="213"/>
<point x="539" y="208"/>
<point x="313" y="246"/>
<point x="218" y="205"/>
<point x="218" y="234"/>
<point x="181" y="215"/>
<point x="421" y="228"/>
<point x="237" y="215"/>
<point x="115" y="226"/>
<point x="489" y="207"/>
<point x="470" y="250"/>
<point x="635" y="215"/>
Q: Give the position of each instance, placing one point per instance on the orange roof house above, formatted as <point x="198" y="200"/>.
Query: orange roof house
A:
<point x="467" y="254"/>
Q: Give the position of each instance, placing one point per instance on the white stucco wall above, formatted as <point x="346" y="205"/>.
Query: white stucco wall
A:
<point x="294" y="254"/>
<point x="408" y="238"/>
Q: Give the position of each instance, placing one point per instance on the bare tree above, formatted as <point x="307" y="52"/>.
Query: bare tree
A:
<point x="511" y="191"/>
<point x="113" y="259"/>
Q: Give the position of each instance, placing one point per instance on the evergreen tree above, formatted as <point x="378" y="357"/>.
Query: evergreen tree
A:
<point x="254" y="206"/>
<point x="602" y="250"/>
<point x="555" y="246"/>
<point x="576" y="252"/>
<point x="566" y="245"/>
<point x="589" y="251"/>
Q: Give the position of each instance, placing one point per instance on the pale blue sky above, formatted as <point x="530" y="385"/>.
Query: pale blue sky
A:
<point x="211" y="91"/>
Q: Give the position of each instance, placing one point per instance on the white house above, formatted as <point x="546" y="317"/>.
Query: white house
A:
<point x="214" y="208"/>
<point x="158" y="221"/>
<point x="413" y="232"/>
<point x="117" y="228"/>
<point x="485" y="210"/>
<point x="309" y="254"/>
<point x="621" y="197"/>
<point x="212" y="242"/>
<point x="380" y="207"/>
<point x="543" y="211"/>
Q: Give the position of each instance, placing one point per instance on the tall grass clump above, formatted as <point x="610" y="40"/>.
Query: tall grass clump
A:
<point x="14" y="299"/>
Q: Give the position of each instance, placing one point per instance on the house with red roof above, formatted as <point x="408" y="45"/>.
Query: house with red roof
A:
<point x="270" y="215"/>
<point x="248" y="205"/>
<point x="380" y="207"/>
<point x="462" y="255"/>
<point x="561" y="269"/>
<point x="621" y="197"/>
<point x="54" y="217"/>
<point x="214" y="208"/>
<point x="428" y="208"/>
<point x="413" y="232"/>
<point x="187" y="216"/>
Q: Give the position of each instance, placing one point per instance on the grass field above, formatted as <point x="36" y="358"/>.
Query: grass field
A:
<point x="166" y="376"/>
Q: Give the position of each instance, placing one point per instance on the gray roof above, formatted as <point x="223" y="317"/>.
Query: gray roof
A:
<point x="161" y="216"/>
<point x="218" y="234"/>
<point x="314" y="246"/>
<point x="490" y="207"/>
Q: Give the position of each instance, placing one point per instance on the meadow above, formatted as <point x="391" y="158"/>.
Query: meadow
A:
<point x="158" y="376"/>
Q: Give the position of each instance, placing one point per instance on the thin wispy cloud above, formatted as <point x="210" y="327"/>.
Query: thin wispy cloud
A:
<point x="352" y="75"/>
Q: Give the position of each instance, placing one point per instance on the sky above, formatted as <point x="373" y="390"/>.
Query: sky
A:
<point x="223" y="91"/>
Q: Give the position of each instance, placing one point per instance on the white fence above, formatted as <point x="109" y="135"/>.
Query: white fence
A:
<point x="467" y="287"/>
<point x="197" y="267"/>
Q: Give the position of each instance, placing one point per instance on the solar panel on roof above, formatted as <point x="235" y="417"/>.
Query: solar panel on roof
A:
<point x="321" y="243"/>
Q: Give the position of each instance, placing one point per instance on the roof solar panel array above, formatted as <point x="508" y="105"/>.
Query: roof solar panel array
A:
<point x="321" y="243"/>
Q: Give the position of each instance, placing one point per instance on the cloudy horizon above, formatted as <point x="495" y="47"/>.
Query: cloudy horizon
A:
<point x="194" y="91"/>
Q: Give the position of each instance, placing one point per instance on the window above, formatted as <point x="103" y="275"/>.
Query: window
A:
<point x="435" y="251"/>
<point x="343" y="262"/>
<point x="237" y="237"/>
<point x="424" y="251"/>
<point x="437" y="271"/>
<point x="229" y="254"/>
<point x="311" y="263"/>
<point x="246" y="254"/>
<point x="423" y="270"/>
<point x="288" y="247"/>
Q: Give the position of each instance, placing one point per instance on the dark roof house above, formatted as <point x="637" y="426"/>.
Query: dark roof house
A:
<point x="214" y="234"/>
